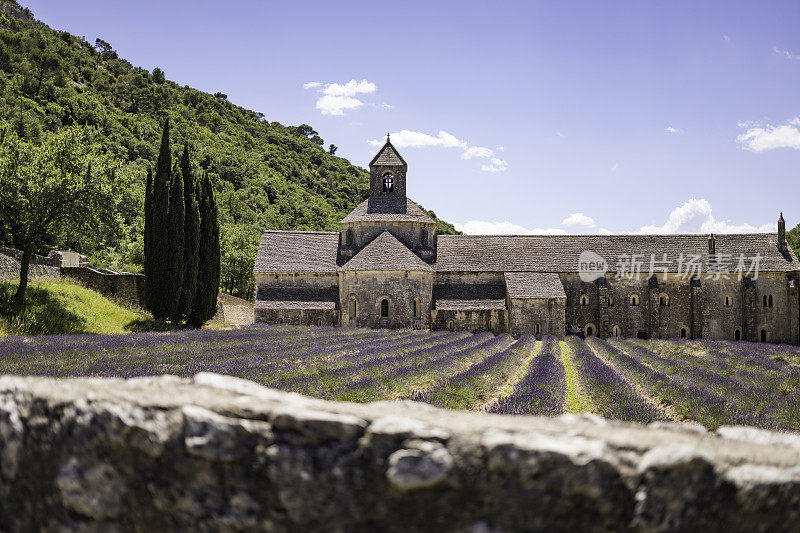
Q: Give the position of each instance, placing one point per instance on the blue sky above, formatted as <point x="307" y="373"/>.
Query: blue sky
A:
<point x="577" y="117"/>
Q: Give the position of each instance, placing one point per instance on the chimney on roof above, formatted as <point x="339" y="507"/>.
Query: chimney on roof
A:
<point x="712" y="245"/>
<point x="782" y="234"/>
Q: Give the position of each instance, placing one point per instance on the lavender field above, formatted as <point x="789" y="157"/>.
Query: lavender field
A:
<point x="709" y="382"/>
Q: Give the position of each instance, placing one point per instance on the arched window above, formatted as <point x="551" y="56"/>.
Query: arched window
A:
<point x="584" y="300"/>
<point x="737" y="334"/>
<point x="353" y="307"/>
<point x="683" y="333"/>
<point x="663" y="299"/>
<point x="424" y="237"/>
<point x="589" y="330"/>
<point x="634" y="300"/>
<point x="615" y="331"/>
<point x="451" y="325"/>
<point x="388" y="182"/>
<point x="728" y="300"/>
<point x="319" y="321"/>
<point x="384" y="308"/>
<point x="770" y="300"/>
<point x="348" y="237"/>
<point x="763" y="335"/>
<point x="491" y="324"/>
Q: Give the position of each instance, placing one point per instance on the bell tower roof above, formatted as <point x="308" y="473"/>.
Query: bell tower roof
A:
<point x="388" y="156"/>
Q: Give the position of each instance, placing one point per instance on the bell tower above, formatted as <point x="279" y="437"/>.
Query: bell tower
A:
<point x="387" y="180"/>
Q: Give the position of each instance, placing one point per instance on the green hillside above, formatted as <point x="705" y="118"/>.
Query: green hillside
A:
<point x="266" y="175"/>
<point x="58" y="307"/>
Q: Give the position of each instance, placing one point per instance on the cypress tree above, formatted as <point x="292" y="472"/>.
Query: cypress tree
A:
<point x="148" y="226"/>
<point x="174" y="236"/>
<point x="191" y="235"/>
<point x="205" y="301"/>
<point x="157" y="276"/>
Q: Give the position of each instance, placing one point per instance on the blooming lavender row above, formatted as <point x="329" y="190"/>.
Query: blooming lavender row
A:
<point x="379" y="381"/>
<point x="329" y="378"/>
<point x="463" y="390"/>
<point x="694" y="395"/>
<point x="541" y="391"/>
<point x="610" y="393"/>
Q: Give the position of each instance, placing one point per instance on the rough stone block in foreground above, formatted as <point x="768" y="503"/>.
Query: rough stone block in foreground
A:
<point x="218" y="453"/>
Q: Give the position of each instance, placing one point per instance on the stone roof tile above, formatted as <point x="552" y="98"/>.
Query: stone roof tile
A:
<point x="387" y="210"/>
<point x="469" y="305"/>
<point x="297" y="251"/>
<point x="385" y="252"/>
<point x="534" y="285"/>
<point x="560" y="253"/>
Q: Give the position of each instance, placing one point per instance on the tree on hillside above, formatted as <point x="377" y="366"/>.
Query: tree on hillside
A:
<point x="174" y="238"/>
<point x="156" y="267"/>
<point x="191" y="229"/>
<point x="63" y="183"/>
<point x="205" y="301"/>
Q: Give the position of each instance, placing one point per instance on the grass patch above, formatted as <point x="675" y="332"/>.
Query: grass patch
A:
<point x="56" y="307"/>
<point x="576" y="402"/>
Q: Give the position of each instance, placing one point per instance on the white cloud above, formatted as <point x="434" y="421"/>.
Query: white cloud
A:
<point x="482" y="227"/>
<point x="387" y="106"/>
<point x="578" y="219"/>
<point x="337" y="98"/>
<point x="614" y="167"/>
<point x="762" y="138"/>
<point x="337" y="105"/>
<point x="497" y="165"/>
<point x="415" y="139"/>
<point x="695" y="216"/>
<point x="560" y="135"/>
<point x="670" y="129"/>
<point x="501" y="148"/>
<point x="477" y="151"/>
<point x="351" y="88"/>
<point x="726" y="39"/>
<point x="605" y="231"/>
<point x="785" y="54"/>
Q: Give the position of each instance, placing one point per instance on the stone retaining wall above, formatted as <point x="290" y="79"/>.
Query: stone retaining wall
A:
<point x="40" y="266"/>
<point x="219" y="453"/>
<point x="126" y="287"/>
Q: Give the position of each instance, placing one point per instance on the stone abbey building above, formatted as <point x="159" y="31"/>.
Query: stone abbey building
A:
<point x="388" y="268"/>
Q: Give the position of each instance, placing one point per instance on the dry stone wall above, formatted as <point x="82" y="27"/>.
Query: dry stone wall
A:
<point x="217" y="453"/>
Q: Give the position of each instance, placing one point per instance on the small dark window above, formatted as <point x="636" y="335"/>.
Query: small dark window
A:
<point x="770" y="300"/>
<point x="611" y="301"/>
<point x="388" y="182"/>
<point x="634" y="300"/>
<point x="348" y="237"/>
<point x="763" y="335"/>
<point x="491" y="324"/>
<point x="737" y="335"/>
<point x="538" y="329"/>
<point x="451" y="325"/>
<point x="424" y="237"/>
<point x="765" y="300"/>
<point x="589" y="331"/>
<point x="384" y="308"/>
<point x="416" y="308"/>
<point x="727" y="301"/>
<point x="584" y="300"/>
<point x="319" y="321"/>
<point x="353" y="308"/>
<point x="683" y="333"/>
<point x="663" y="300"/>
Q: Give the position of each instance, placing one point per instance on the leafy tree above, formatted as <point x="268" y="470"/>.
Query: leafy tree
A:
<point x="158" y="76"/>
<point x="208" y="275"/>
<point x="332" y="149"/>
<point x="191" y="230"/>
<point x="45" y="63"/>
<point x="175" y="242"/>
<point x="45" y="189"/>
